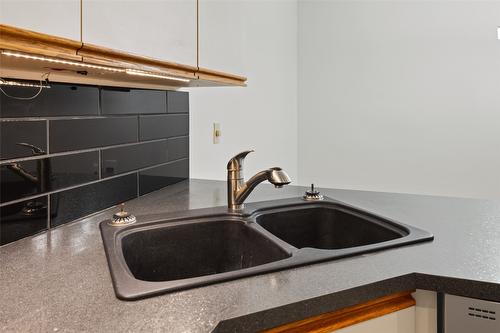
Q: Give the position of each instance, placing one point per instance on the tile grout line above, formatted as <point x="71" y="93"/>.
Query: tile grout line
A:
<point x="73" y="152"/>
<point x="48" y="211"/>
<point x="89" y="183"/>
<point x="90" y="116"/>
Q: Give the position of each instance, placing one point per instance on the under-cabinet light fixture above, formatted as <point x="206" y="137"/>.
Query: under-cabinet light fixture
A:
<point x="22" y="84"/>
<point x="60" y="61"/>
<point x="98" y="67"/>
<point x="155" y="75"/>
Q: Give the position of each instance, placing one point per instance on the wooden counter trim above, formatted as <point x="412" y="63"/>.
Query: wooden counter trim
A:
<point x="28" y="41"/>
<point x="336" y="320"/>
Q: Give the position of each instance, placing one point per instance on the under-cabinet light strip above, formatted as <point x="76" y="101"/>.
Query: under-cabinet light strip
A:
<point x="156" y="75"/>
<point x="85" y="65"/>
<point x="63" y="62"/>
<point x="22" y="84"/>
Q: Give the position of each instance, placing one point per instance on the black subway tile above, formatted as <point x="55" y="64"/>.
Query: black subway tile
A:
<point x="14" y="133"/>
<point x="122" y="159"/>
<point x="69" y="205"/>
<point x="163" y="126"/>
<point x="26" y="178"/>
<point x="74" y="134"/>
<point x="161" y="176"/>
<point x="132" y="101"/>
<point x="177" y="102"/>
<point x="22" y="219"/>
<point x="178" y="148"/>
<point x="59" y="100"/>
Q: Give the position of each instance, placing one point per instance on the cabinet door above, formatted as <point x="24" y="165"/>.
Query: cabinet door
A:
<point x="54" y="17"/>
<point x="222" y="25"/>
<point x="402" y="321"/>
<point x="161" y="29"/>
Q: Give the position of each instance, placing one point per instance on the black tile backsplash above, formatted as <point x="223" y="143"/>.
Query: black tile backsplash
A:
<point x="177" y="102"/>
<point x="69" y="205"/>
<point x="102" y="144"/>
<point x="59" y="100"/>
<point x="31" y="177"/>
<point x="22" y="219"/>
<point x="161" y="176"/>
<point x="91" y="133"/>
<point x="133" y="101"/>
<point x="15" y="134"/>
<point x="138" y="156"/>
<point x="178" y="148"/>
<point x="159" y="126"/>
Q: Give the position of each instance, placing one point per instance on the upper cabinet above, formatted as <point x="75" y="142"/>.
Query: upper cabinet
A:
<point x="222" y="35"/>
<point x="54" y="17"/>
<point x="160" y="29"/>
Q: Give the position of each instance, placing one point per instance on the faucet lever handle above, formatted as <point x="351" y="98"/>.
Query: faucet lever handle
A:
<point x="236" y="162"/>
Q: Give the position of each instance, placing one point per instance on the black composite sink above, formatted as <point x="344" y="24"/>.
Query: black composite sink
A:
<point x="175" y="251"/>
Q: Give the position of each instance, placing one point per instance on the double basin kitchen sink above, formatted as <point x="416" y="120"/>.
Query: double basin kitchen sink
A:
<point x="191" y="248"/>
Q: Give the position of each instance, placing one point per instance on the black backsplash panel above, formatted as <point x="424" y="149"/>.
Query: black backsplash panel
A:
<point x="31" y="177"/>
<point x="122" y="159"/>
<point x="164" y="175"/>
<point x="69" y="205"/>
<point x="78" y="149"/>
<point x="59" y="100"/>
<point x="22" y="219"/>
<point x="14" y="135"/>
<point x="133" y="101"/>
<point x="91" y="133"/>
<point x="155" y="127"/>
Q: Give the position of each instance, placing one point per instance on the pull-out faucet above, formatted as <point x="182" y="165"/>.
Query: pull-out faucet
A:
<point x="238" y="190"/>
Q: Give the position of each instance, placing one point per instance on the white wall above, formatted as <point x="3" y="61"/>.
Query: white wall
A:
<point x="400" y="96"/>
<point x="262" y="116"/>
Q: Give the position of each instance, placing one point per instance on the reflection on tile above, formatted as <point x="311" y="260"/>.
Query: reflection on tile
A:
<point x="163" y="126"/>
<point x="59" y="100"/>
<point x="73" y="134"/>
<point x="14" y="133"/>
<point x="22" y="219"/>
<point x="178" y="148"/>
<point x="69" y="205"/>
<point x="177" y="102"/>
<point x="132" y="101"/>
<point x="32" y="177"/>
<point x="158" y="177"/>
<point x="122" y="159"/>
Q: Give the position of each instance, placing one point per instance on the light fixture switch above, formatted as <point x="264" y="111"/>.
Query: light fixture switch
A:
<point x="216" y="133"/>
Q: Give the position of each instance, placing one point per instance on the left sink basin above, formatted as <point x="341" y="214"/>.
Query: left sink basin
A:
<point x="190" y="250"/>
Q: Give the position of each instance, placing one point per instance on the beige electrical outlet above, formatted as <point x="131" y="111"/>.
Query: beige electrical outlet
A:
<point x="217" y="133"/>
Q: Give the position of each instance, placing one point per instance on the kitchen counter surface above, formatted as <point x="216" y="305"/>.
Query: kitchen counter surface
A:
<point x="59" y="281"/>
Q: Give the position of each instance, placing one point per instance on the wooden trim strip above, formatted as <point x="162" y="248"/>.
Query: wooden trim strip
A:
<point x="336" y="320"/>
<point x="17" y="39"/>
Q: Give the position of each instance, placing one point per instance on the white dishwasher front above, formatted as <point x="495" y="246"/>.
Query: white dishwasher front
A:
<point x="470" y="315"/>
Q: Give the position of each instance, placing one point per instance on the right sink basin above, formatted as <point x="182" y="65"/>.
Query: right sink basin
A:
<point x="328" y="227"/>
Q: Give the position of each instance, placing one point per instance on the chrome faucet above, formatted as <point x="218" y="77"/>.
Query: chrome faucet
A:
<point x="238" y="190"/>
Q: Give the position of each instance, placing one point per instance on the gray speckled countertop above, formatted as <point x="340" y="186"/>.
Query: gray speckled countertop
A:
<point x="59" y="280"/>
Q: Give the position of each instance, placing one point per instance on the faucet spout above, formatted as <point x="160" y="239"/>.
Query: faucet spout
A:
<point x="239" y="190"/>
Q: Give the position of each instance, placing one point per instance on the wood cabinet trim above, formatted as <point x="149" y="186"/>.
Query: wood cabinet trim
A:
<point x="18" y="39"/>
<point x="338" y="319"/>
